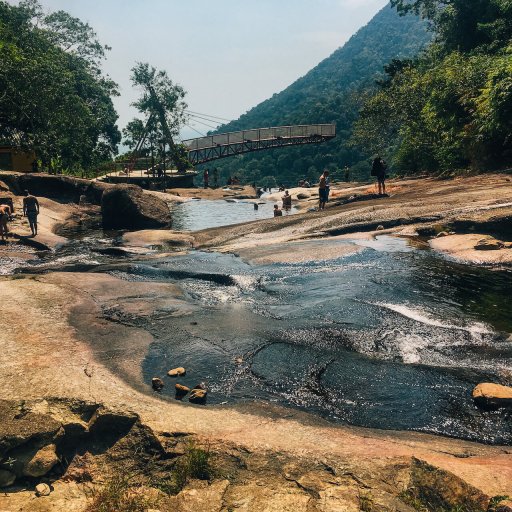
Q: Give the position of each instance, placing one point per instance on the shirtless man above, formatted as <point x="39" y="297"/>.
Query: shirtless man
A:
<point x="31" y="210"/>
<point x="277" y="211"/>
<point x="5" y="213"/>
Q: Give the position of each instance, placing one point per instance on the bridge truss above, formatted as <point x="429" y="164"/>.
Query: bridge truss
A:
<point x="222" y="145"/>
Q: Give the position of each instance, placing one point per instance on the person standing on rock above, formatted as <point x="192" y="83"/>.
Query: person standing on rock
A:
<point x="379" y="168"/>
<point x="322" y="190"/>
<point x="5" y="214"/>
<point x="31" y="211"/>
<point x="287" y="201"/>
<point x="206" y="176"/>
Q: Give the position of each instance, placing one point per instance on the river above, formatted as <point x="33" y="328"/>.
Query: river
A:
<point x="392" y="336"/>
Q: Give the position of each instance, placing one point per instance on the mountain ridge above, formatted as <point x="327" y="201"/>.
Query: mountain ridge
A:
<point x="327" y="93"/>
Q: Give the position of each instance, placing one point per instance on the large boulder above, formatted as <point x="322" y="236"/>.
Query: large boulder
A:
<point x="128" y="207"/>
<point x="492" y="396"/>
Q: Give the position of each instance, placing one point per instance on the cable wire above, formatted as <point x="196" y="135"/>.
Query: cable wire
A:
<point x="208" y="115"/>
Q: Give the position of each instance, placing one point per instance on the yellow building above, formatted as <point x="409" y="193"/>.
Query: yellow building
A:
<point x="14" y="159"/>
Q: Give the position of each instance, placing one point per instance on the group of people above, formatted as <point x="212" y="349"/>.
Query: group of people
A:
<point x="215" y="174"/>
<point x="287" y="204"/>
<point x="379" y="169"/>
<point x="30" y="210"/>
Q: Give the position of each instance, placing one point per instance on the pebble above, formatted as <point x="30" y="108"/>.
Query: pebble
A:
<point x="157" y="383"/>
<point x="181" y="391"/>
<point x="177" y="372"/>
<point x="43" y="490"/>
<point x="198" y="396"/>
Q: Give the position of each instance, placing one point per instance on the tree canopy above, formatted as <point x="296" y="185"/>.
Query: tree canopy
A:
<point x="54" y="97"/>
<point x="163" y="106"/>
<point x="452" y="107"/>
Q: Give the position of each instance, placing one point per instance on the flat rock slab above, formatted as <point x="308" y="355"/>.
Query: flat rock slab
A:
<point x="464" y="248"/>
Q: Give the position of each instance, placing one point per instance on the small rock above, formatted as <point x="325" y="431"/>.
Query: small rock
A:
<point x="43" y="490"/>
<point x="157" y="383"/>
<point x="177" y="372"/>
<point x="198" y="396"/>
<point x="442" y="234"/>
<point x="301" y="195"/>
<point x="492" y="396"/>
<point x="239" y="360"/>
<point x="6" y="478"/>
<point x="193" y="323"/>
<point x="181" y="391"/>
<point x="489" y="244"/>
<point x="42" y="462"/>
<point x="380" y="228"/>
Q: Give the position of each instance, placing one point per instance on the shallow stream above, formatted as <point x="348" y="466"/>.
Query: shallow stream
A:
<point x="391" y="337"/>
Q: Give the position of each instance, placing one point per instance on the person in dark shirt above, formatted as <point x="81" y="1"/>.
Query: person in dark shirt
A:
<point x="31" y="211"/>
<point x="379" y="168"/>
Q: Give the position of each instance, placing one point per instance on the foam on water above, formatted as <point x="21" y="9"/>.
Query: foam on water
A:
<point x="423" y="317"/>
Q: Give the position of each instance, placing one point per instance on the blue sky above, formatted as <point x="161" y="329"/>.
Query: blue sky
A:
<point x="229" y="55"/>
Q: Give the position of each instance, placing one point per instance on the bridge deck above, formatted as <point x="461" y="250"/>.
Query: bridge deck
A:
<point x="212" y="147"/>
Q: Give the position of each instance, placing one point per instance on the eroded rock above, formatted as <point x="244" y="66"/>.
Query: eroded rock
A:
<point x="492" y="396"/>
<point x="42" y="462"/>
<point x="489" y="244"/>
<point x="128" y="207"/>
<point x="114" y="422"/>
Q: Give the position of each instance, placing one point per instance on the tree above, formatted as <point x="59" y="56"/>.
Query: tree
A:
<point x="162" y="103"/>
<point x="54" y="101"/>
<point x="451" y="107"/>
<point x="464" y="25"/>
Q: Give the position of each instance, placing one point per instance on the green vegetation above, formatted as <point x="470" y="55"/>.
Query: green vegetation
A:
<point x="119" y="494"/>
<point x="53" y="96"/>
<point x="332" y="92"/>
<point x="163" y="107"/>
<point x="410" y="497"/>
<point x="451" y="108"/>
<point x="196" y="463"/>
<point x="139" y="490"/>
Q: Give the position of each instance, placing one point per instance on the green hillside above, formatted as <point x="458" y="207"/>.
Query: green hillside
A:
<point x="331" y="92"/>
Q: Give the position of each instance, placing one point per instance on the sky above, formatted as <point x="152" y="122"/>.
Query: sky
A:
<point x="229" y="55"/>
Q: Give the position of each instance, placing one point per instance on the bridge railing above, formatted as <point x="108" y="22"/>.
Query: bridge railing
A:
<point x="259" y="134"/>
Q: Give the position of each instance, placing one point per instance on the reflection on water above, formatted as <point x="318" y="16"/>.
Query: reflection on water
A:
<point x="391" y="338"/>
<point x="203" y="214"/>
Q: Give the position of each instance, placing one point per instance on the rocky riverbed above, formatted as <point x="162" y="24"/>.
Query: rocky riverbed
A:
<point x="73" y="345"/>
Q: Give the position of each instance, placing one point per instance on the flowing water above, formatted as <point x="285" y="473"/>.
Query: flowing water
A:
<point x="390" y="337"/>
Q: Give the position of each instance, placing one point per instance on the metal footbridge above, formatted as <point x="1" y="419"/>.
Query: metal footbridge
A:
<point x="212" y="147"/>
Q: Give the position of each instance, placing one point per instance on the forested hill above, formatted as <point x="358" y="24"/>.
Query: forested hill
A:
<point x="328" y="93"/>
